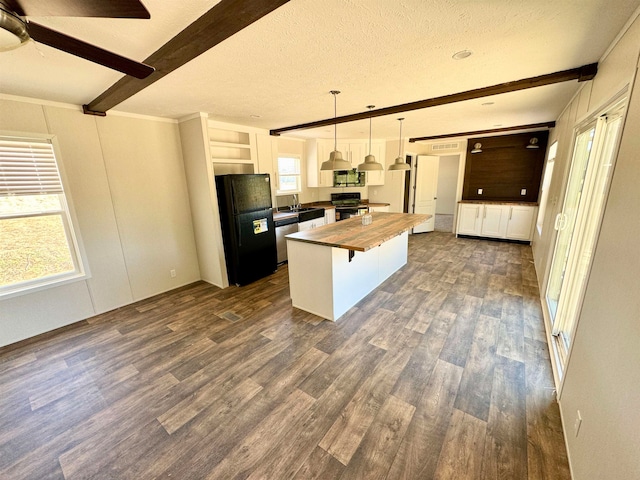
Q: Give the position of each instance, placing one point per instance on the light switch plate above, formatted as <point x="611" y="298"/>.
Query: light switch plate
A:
<point x="479" y="191"/>
<point x="523" y="191"/>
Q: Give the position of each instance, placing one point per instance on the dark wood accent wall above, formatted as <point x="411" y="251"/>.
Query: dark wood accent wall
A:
<point x="505" y="167"/>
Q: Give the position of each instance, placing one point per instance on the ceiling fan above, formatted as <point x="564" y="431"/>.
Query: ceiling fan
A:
<point x="16" y="30"/>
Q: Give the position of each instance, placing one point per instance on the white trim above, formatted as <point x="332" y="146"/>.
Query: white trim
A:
<point x="139" y="116"/>
<point x="235" y="126"/>
<point x="194" y="115"/>
<point x="74" y="240"/>
<point x="39" y="101"/>
<point x="78" y="108"/>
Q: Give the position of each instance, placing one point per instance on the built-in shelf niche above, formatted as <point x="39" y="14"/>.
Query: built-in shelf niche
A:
<point x="231" y="146"/>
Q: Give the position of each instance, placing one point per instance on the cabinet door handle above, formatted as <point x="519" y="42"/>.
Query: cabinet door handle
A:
<point x="484" y="213"/>
<point x="477" y="212"/>
<point x="510" y="212"/>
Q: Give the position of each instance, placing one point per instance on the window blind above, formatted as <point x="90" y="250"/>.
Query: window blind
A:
<point x="28" y="167"/>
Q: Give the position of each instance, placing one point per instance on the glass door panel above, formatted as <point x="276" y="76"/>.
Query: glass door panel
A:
<point x="587" y="226"/>
<point x="566" y="220"/>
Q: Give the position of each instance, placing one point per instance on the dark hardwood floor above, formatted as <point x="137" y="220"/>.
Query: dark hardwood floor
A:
<point x="442" y="373"/>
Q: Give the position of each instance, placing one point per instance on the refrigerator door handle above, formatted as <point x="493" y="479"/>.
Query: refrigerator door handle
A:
<point x="238" y="228"/>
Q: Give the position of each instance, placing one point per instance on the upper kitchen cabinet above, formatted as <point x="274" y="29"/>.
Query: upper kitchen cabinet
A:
<point x="352" y="151"/>
<point x="378" y="150"/>
<point x="267" y="150"/>
<point x="317" y="151"/>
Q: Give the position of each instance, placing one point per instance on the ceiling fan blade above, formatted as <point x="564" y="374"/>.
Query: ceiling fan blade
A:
<point x="79" y="8"/>
<point x="87" y="51"/>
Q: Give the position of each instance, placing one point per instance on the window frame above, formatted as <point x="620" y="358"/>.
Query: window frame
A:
<point x="546" y="183"/>
<point x="298" y="176"/>
<point x="69" y="222"/>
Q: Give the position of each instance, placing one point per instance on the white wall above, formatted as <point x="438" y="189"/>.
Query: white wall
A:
<point x="602" y="377"/>
<point x="126" y="181"/>
<point x="447" y="184"/>
<point x="392" y="192"/>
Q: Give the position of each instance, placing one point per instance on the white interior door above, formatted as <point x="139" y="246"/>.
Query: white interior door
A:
<point x="426" y="188"/>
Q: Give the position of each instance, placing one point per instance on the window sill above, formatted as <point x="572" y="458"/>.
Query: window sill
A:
<point x="45" y="284"/>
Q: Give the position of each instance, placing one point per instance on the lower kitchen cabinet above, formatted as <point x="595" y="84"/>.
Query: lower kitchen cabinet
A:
<point x="329" y="216"/>
<point x="469" y="219"/>
<point x="521" y="222"/>
<point x="309" y="224"/>
<point x="494" y="220"/>
<point x="382" y="208"/>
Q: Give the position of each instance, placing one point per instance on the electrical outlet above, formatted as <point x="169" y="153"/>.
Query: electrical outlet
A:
<point x="577" y="423"/>
<point x="479" y="191"/>
<point x="523" y="191"/>
<point x="172" y="273"/>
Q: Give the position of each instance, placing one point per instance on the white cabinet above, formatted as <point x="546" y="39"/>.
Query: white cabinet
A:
<point x="381" y="208"/>
<point x="378" y="150"/>
<point x="267" y="153"/>
<point x="329" y="216"/>
<point x="469" y="219"/>
<point x="494" y="220"/>
<point x="521" y="221"/>
<point x="317" y="151"/>
<point x="309" y="224"/>
<point x="353" y="151"/>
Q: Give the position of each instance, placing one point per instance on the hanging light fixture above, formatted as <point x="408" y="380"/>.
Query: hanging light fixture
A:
<point x="370" y="163"/>
<point x="533" y="143"/>
<point x="477" y="148"/>
<point x="400" y="163"/>
<point x="335" y="162"/>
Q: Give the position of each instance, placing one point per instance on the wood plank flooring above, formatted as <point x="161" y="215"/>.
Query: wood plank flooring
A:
<point x="441" y="373"/>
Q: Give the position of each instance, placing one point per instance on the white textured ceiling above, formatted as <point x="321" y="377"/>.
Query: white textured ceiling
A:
<point x="377" y="52"/>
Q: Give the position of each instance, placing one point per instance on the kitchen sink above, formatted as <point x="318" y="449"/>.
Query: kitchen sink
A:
<point x="309" y="213"/>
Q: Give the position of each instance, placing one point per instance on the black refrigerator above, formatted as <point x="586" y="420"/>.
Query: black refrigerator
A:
<point x="248" y="231"/>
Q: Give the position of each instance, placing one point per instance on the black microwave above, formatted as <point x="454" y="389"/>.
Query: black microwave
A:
<point x="348" y="178"/>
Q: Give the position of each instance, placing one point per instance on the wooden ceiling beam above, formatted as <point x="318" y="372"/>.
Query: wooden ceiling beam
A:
<point x="582" y="74"/>
<point x="221" y="22"/>
<point x="482" y="132"/>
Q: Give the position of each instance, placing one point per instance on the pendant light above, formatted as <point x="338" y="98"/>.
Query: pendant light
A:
<point x="400" y="163"/>
<point x="335" y="162"/>
<point x="370" y="163"/>
<point x="533" y="143"/>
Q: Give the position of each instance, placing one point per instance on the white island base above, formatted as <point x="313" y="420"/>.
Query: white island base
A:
<point x="324" y="282"/>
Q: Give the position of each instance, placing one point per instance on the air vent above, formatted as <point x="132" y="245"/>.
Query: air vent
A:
<point x="445" y="146"/>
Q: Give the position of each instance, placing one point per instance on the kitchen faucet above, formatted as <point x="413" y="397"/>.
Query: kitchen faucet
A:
<point x="296" y="203"/>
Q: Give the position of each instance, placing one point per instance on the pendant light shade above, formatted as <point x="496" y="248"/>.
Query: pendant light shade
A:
<point x="533" y="143"/>
<point x="335" y="162"/>
<point x="400" y="163"/>
<point x="370" y="164"/>
<point x="477" y="148"/>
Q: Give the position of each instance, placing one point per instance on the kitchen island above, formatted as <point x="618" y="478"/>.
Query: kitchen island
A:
<point x="331" y="268"/>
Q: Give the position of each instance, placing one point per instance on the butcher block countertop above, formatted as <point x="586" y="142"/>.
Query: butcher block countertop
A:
<point x="352" y="235"/>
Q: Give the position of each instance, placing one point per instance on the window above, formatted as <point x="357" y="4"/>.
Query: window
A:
<point x="37" y="243"/>
<point x="546" y="182"/>
<point x="289" y="180"/>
